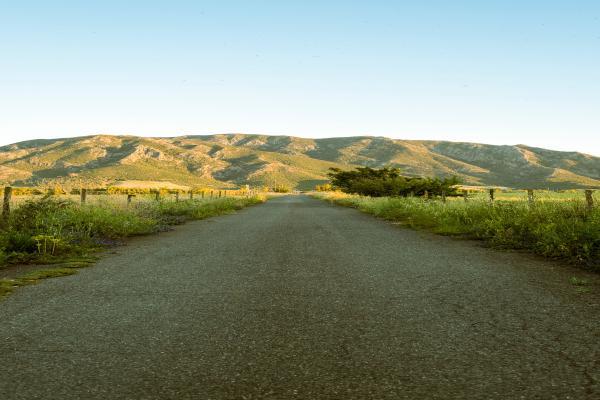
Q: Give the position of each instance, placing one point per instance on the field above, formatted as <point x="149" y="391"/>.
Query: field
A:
<point x="555" y="225"/>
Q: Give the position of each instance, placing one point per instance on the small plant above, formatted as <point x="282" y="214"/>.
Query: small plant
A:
<point x="46" y="244"/>
<point x="578" y="281"/>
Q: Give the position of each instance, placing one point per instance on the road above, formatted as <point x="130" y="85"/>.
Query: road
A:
<point x="299" y="299"/>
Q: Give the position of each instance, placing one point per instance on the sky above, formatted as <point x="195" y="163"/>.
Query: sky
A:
<point x="500" y="72"/>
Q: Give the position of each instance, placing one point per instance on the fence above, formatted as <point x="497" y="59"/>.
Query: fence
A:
<point x="530" y="195"/>
<point x="128" y="195"/>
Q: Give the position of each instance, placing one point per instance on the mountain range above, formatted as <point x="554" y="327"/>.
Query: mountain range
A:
<point x="231" y="160"/>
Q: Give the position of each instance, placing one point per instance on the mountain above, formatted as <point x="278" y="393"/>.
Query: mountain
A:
<point x="230" y="160"/>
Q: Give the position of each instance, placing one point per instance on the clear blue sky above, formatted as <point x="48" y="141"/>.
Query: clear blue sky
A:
<point x="502" y="72"/>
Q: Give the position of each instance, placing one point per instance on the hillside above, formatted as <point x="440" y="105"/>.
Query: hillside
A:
<point x="230" y="160"/>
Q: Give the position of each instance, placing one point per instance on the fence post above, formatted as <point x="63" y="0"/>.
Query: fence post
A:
<point x="177" y="196"/>
<point x="443" y="196"/>
<point x="129" y="197"/>
<point x="157" y="195"/>
<point x="589" y="198"/>
<point x="219" y="194"/>
<point x="465" y="194"/>
<point x="83" y="194"/>
<point x="203" y="194"/>
<point x="6" y="204"/>
<point x="191" y="195"/>
<point x="530" y="197"/>
<point x="211" y="194"/>
<point x="492" y="195"/>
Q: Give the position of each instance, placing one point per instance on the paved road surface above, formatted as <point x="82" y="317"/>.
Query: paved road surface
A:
<point x="298" y="299"/>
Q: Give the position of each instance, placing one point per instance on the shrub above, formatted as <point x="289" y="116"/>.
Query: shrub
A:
<point x="389" y="182"/>
<point x="281" y="189"/>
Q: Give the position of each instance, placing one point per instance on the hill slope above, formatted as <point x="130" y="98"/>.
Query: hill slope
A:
<point x="234" y="159"/>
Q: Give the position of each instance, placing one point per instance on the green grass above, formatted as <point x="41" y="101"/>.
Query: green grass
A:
<point x="578" y="281"/>
<point x="554" y="229"/>
<point x="7" y="286"/>
<point x="581" y="285"/>
<point x="67" y="235"/>
<point x="32" y="277"/>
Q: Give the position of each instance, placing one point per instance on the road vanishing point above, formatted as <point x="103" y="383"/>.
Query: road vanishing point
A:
<point x="300" y="299"/>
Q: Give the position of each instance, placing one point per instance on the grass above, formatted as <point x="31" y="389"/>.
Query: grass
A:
<point x="539" y="195"/>
<point x="581" y="285"/>
<point x="561" y="229"/>
<point x="578" y="281"/>
<point x="66" y="235"/>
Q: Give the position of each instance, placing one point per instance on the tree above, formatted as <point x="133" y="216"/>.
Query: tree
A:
<point x="389" y="182"/>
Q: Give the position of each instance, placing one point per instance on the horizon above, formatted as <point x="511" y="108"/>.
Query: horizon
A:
<point x="278" y="135"/>
<point x="499" y="74"/>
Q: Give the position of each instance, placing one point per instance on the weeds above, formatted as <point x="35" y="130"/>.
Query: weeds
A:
<point x="559" y="229"/>
<point x="51" y="230"/>
<point x="578" y="281"/>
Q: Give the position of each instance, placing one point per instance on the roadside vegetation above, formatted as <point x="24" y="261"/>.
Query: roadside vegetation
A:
<point x="559" y="226"/>
<point x="60" y="232"/>
<point x="555" y="229"/>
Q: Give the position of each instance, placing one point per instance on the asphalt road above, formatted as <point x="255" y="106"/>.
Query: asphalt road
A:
<point x="299" y="299"/>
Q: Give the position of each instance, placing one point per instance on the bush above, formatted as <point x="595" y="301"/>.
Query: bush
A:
<point x="326" y="187"/>
<point x="281" y="189"/>
<point x="13" y="241"/>
<point x="389" y="182"/>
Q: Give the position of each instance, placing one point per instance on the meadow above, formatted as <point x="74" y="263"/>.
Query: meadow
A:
<point x="555" y="225"/>
<point x="67" y="234"/>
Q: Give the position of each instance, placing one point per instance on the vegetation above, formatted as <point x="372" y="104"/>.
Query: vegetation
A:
<point x="228" y="161"/>
<point x="326" y="187"/>
<point x="280" y="189"/>
<point x="557" y="229"/>
<point x="389" y="182"/>
<point x="7" y="286"/>
<point x="50" y="229"/>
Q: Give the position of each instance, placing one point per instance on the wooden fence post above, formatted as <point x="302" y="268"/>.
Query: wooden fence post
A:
<point x="211" y="194"/>
<point x="203" y="194"/>
<point x="443" y="196"/>
<point x="465" y="195"/>
<point x="6" y="204"/>
<point x="191" y="195"/>
<point x="176" y="197"/>
<point x="83" y="195"/>
<point x="530" y="197"/>
<point x="219" y="194"/>
<point x="157" y="195"/>
<point x="129" y="197"/>
<point x="492" y="195"/>
<point x="589" y="198"/>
